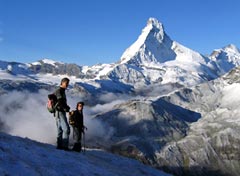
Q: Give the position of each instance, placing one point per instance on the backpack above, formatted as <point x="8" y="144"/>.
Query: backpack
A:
<point x="52" y="103"/>
<point x="71" y="118"/>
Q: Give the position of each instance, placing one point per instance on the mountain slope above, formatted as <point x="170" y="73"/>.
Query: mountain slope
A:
<point x="145" y="126"/>
<point x="211" y="146"/>
<point x="190" y="131"/>
<point x="226" y="58"/>
<point x="152" y="46"/>
<point x="20" y="156"/>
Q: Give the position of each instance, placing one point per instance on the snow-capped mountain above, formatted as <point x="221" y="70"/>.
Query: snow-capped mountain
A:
<point x="19" y="156"/>
<point x="226" y="58"/>
<point x="152" y="46"/>
<point x="158" y="101"/>
<point x="156" y="58"/>
<point x="14" y="67"/>
<point x="153" y="59"/>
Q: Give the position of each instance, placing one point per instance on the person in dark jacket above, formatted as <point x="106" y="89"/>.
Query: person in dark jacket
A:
<point x="63" y="129"/>
<point x="76" y="121"/>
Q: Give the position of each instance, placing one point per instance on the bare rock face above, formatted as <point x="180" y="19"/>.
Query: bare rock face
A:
<point x="143" y="127"/>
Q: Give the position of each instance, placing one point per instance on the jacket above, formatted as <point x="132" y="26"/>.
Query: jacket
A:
<point x="77" y="119"/>
<point x="61" y="100"/>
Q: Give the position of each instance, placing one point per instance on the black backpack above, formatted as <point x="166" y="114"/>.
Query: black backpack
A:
<point x="71" y="118"/>
<point x="52" y="103"/>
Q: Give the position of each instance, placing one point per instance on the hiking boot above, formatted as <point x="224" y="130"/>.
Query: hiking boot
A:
<point x="66" y="149"/>
<point x="59" y="147"/>
<point x="62" y="148"/>
<point x="77" y="147"/>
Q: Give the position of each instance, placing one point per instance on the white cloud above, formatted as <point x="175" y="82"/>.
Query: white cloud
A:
<point x="24" y="114"/>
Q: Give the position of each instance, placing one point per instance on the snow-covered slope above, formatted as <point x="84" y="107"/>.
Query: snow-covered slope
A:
<point x="226" y="58"/>
<point x="14" y="68"/>
<point x="19" y="156"/>
<point x="212" y="143"/>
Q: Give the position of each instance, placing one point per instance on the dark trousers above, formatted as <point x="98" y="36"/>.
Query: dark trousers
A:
<point x="77" y="137"/>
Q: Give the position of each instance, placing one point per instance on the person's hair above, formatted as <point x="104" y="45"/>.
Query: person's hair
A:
<point x="80" y="102"/>
<point x="65" y="80"/>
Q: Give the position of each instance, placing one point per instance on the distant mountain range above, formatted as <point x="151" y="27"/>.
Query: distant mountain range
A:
<point x="178" y="108"/>
<point x="153" y="59"/>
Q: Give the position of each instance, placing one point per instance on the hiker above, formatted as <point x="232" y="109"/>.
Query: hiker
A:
<point x="63" y="129"/>
<point x="76" y="121"/>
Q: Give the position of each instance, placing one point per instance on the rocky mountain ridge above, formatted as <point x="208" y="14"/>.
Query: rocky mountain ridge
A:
<point x="212" y="141"/>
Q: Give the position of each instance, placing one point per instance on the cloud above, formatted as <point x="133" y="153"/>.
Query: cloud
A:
<point x="109" y="100"/>
<point x="24" y="114"/>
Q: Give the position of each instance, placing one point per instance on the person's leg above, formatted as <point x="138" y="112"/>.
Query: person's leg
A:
<point x="65" y="129"/>
<point x="59" y="133"/>
<point x="77" y="140"/>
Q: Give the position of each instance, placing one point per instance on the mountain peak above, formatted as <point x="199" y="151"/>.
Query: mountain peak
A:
<point x="231" y="47"/>
<point x="155" y="23"/>
<point x="46" y="61"/>
<point x="152" y="39"/>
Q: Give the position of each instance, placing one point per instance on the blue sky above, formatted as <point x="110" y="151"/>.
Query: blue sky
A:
<point x="88" y="32"/>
